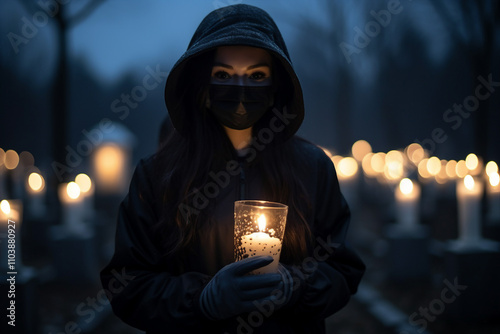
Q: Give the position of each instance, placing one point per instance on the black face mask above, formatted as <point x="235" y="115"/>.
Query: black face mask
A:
<point x="225" y="104"/>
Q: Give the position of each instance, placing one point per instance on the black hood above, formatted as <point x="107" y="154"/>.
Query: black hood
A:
<point x="236" y="25"/>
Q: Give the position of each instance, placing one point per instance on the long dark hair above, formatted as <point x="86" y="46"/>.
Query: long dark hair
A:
<point x="182" y="159"/>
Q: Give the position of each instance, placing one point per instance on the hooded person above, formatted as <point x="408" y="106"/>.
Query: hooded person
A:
<point x="235" y="104"/>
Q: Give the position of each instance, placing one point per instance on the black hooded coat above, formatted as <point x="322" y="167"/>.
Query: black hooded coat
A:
<point x="159" y="294"/>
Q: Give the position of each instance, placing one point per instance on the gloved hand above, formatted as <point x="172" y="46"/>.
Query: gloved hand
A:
<point x="231" y="291"/>
<point x="293" y="284"/>
<point x="286" y="287"/>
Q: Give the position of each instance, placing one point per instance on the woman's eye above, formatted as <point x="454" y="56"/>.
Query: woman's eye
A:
<point x="221" y="75"/>
<point x="258" y="76"/>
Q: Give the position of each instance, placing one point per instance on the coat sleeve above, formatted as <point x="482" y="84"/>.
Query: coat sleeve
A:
<point x="331" y="274"/>
<point x="142" y="292"/>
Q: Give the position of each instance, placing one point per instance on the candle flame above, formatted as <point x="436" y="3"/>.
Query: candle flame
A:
<point x="494" y="179"/>
<point x="35" y="181"/>
<point x="406" y="186"/>
<point x="262" y="222"/>
<point x="5" y="206"/>
<point x="73" y="190"/>
<point x="469" y="182"/>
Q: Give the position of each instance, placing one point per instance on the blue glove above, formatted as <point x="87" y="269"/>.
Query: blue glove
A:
<point x="286" y="287"/>
<point x="231" y="291"/>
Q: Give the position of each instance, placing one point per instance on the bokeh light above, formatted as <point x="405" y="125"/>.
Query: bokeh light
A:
<point x="347" y="167"/>
<point x="36" y="182"/>
<point x="11" y="159"/>
<point x="360" y="149"/>
<point x="73" y="190"/>
<point x="84" y="182"/>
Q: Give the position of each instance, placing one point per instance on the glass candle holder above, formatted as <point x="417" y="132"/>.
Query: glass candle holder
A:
<point x="259" y="227"/>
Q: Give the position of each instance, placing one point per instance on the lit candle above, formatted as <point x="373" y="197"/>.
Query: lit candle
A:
<point x="393" y="166"/>
<point x="110" y="165"/>
<point x="493" y="192"/>
<point x="262" y="243"/>
<point x="10" y="229"/>
<point x="407" y="203"/>
<point x="259" y="228"/>
<point x="347" y="174"/>
<point x="72" y="206"/>
<point x="87" y="192"/>
<point x="36" y="190"/>
<point x="469" y="195"/>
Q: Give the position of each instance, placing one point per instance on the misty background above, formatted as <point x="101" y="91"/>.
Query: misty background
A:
<point x="391" y="89"/>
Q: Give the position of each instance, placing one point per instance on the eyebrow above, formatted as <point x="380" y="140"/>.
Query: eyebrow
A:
<point x="248" y="68"/>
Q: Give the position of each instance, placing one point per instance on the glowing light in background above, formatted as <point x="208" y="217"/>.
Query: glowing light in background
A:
<point x="494" y="179"/>
<point x="2" y="156"/>
<point x="450" y="169"/>
<point x="442" y="176"/>
<point x="36" y="182"/>
<point x="394" y="155"/>
<point x="26" y="159"/>
<point x="73" y="190"/>
<point x="336" y="159"/>
<point x="491" y="167"/>
<point x="469" y="182"/>
<point x="415" y="153"/>
<point x="406" y="186"/>
<point x="471" y="161"/>
<point x="394" y="170"/>
<point x="378" y="162"/>
<point x="433" y="166"/>
<point x="423" y="170"/>
<point x="84" y="182"/>
<point x="360" y="149"/>
<point x="347" y="167"/>
<point x="394" y="165"/>
<point x="110" y="162"/>
<point x="5" y="206"/>
<point x="367" y="166"/>
<point x="11" y="159"/>
<point x="461" y="169"/>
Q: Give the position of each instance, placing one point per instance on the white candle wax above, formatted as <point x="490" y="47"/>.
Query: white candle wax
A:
<point x="407" y="203"/>
<point x="36" y="190"/>
<point x="261" y="243"/>
<point x="87" y="193"/>
<point x="469" y="195"/>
